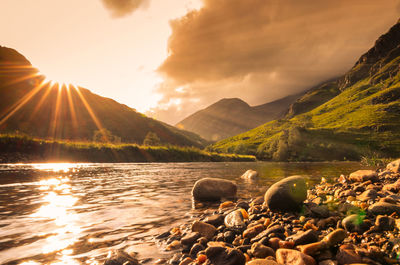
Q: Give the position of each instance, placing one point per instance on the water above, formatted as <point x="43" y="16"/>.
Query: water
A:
<point x="77" y="213"/>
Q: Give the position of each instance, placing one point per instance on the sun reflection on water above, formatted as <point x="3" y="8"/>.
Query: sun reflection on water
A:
<point x="56" y="167"/>
<point x="57" y="206"/>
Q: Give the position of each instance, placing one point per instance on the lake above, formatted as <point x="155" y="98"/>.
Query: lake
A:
<point x="77" y="213"/>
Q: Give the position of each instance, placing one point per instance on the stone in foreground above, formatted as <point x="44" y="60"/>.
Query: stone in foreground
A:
<point x="213" y="189"/>
<point x="225" y="256"/>
<point x="250" y="175"/>
<point x="384" y="208"/>
<point x="204" y="229"/>
<point x="363" y="175"/>
<point x="119" y="257"/>
<point x="394" y="166"/>
<point x="287" y="194"/>
<point x="292" y="257"/>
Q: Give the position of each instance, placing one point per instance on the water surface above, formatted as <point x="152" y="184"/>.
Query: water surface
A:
<point x="77" y="213"/>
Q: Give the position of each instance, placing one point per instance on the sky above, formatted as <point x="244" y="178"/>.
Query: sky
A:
<point x="171" y="58"/>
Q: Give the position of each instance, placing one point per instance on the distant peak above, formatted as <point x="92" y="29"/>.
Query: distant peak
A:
<point x="228" y="102"/>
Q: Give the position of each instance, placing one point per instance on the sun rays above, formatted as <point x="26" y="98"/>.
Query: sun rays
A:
<point x="63" y="113"/>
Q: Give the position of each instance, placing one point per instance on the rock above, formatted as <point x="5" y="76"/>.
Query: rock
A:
<point x="320" y="211"/>
<point x="229" y="236"/>
<point x="302" y="238"/>
<point x="394" y="187"/>
<point x="119" y="257"/>
<point x="250" y="175"/>
<point x="287" y="194"/>
<point x="186" y="261"/>
<point x="190" y="238"/>
<point x="235" y="220"/>
<point x="257" y="201"/>
<point x="262" y="262"/>
<point x="385" y="223"/>
<point x="174" y="245"/>
<point x="394" y="166"/>
<point x="347" y="255"/>
<point x="275" y="229"/>
<point x="354" y="223"/>
<point x="206" y="230"/>
<point x="225" y="256"/>
<point x="258" y="250"/>
<point x="293" y="257"/>
<point x="215" y="220"/>
<point x="213" y="189"/>
<point x="363" y="175"/>
<point x="368" y="195"/>
<point x="335" y="237"/>
<point x="227" y="204"/>
<point x="253" y="231"/>
<point x="384" y="208"/>
<point x="328" y="262"/>
<point x="312" y="248"/>
<point x="196" y="249"/>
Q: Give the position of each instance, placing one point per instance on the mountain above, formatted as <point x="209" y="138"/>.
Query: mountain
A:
<point x="354" y="116"/>
<point x="32" y="106"/>
<point x="231" y="116"/>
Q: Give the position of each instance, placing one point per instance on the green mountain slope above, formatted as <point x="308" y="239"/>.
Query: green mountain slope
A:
<point x="231" y="116"/>
<point x="31" y="106"/>
<point x="354" y="116"/>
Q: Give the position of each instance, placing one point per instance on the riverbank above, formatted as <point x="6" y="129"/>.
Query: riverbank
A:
<point x="353" y="220"/>
<point x="22" y="149"/>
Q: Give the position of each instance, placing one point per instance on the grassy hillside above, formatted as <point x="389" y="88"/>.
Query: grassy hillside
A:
<point x="363" y="119"/>
<point x="35" y="107"/>
<point x="15" y="149"/>
<point x="231" y="116"/>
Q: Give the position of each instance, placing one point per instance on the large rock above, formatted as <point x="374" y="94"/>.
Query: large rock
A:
<point x="225" y="256"/>
<point x="293" y="257"/>
<point x="213" y="189"/>
<point x="394" y="166"/>
<point x="287" y="194"/>
<point x="384" y="208"/>
<point x="363" y="175"/>
<point x="250" y="175"/>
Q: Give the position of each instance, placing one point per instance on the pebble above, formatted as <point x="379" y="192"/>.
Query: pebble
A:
<point x="302" y="238"/>
<point x="293" y="257"/>
<point x="235" y="220"/>
<point x="384" y="208"/>
<point x="262" y="262"/>
<point x="228" y="256"/>
<point x="253" y="231"/>
<point x="204" y="229"/>
<point x="335" y="237"/>
<point x="363" y="175"/>
<point x="190" y="238"/>
<point x="258" y="250"/>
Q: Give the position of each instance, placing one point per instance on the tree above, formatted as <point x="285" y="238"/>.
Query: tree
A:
<point x="105" y="136"/>
<point x="151" y="139"/>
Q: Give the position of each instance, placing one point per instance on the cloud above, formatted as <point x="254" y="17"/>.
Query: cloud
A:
<point x="120" y="8"/>
<point x="261" y="50"/>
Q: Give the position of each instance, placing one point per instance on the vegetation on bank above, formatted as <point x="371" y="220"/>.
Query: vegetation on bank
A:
<point x="16" y="148"/>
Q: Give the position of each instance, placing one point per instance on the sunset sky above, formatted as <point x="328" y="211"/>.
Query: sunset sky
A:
<point x="174" y="57"/>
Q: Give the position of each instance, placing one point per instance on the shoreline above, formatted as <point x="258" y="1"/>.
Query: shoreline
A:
<point x="354" y="220"/>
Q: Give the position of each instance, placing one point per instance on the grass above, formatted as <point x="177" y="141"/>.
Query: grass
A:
<point x="16" y="148"/>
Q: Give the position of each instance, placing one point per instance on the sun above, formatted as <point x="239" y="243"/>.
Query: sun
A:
<point x="62" y="81"/>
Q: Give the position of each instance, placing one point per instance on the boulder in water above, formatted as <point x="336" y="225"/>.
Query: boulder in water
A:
<point x="213" y="189"/>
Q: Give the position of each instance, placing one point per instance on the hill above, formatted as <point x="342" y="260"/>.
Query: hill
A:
<point x="231" y="116"/>
<point x="32" y="106"/>
<point x="354" y="116"/>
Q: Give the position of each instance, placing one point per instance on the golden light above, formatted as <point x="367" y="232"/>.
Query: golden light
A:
<point x="55" y="167"/>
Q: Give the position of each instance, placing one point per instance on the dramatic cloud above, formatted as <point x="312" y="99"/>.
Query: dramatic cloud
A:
<point x="120" y="8"/>
<point x="261" y="50"/>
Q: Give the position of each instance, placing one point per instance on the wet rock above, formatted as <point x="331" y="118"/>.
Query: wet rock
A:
<point x="292" y="257"/>
<point x="363" y="175"/>
<point x="368" y="195"/>
<point x="328" y="262"/>
<point x="262" y="262"/>
<point x="385" y="223"/>
<point x="302" y="238"/>
<point x="227" y="204"/>
<point x="225" y="256"/>
<point x="312" y="248"/>
<point x="190" y="238"/>
<point x="186" y="261"/>
<point x="235" y="220"/>
<point x="394" y="187"/>
<point x="250" y="175"/>
<point x="253" y="231"/>
<point x="320" y="211"/>
<point x="119" y="257"/>
<point x="335" y="237"/>
<point x="175" y="259"/>
<point x="275" y="229"/>
<point x="258" y="250"/>
<point x="174" y="245"/>
<point x="206" y="230"/>
<point x="243" y="205"/>
<point x="258" y="201"/>
<point x="213" y="189"/>
<point x="355" y="223"/>
<point x="196" y="249"/>
<point x="229" y="236"/>
<point x="215" y="220"/>
<point x="347" y="255"/>
<point x="394" y="166"/>
<point x="286" y="195"/>
<point x="384" y="208"/>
